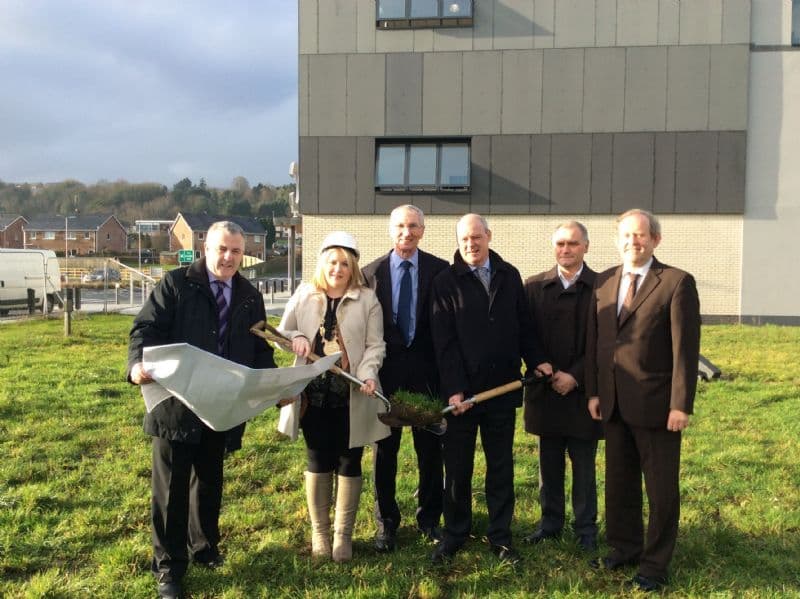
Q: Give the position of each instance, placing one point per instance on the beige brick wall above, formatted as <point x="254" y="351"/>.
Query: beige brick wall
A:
<point x="708" y="246"/>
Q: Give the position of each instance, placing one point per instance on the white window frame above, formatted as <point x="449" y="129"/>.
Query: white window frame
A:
<point x="437" y="186"/>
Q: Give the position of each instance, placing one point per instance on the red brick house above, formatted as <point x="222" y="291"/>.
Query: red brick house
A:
<point x="81" y="234"/>
<point x="11" y="231"/>
<point x="188" y="232"/>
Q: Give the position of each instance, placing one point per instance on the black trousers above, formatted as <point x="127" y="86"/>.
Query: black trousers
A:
<point x="633" y="452"/>
<point x="327" y="435"/>
<point x="428" y="448"/>
<point x="552" y="468"/>
<point x="496" y="425"/>
<point x="186" y="501"/>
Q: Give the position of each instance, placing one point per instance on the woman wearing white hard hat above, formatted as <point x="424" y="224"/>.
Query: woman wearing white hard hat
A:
<point x="336" y="312"/>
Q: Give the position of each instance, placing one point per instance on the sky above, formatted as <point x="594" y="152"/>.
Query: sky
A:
<point x="148" y="90"/>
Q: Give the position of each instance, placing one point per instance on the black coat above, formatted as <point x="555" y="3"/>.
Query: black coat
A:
<point x="182" y="309"/>
<point x="481" y="339"/>
<point x="413" y="367"/>
<point x="560" y="316"/>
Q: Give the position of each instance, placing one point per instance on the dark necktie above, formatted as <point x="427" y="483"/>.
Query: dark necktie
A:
<point x="404" y="302"/>
<point x="485" y="276"/>
<point x="628" y="301"/>
<point x="222" y="312"/>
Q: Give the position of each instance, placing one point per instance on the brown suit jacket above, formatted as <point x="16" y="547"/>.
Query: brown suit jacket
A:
<point x="647" y="364"/>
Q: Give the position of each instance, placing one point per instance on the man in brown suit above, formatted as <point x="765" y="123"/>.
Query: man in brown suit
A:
<point x="642" y="348"/>
<point x="559" y="303"/>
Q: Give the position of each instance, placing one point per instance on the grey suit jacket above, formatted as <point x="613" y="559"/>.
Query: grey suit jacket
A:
<point x="645" y="365"/>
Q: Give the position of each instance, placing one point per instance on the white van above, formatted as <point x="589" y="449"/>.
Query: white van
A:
<point x="21" y="270"/>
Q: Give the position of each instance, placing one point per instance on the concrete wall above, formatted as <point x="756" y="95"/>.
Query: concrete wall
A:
<point x="685" y="245"/>
<point x="770" y="275"/>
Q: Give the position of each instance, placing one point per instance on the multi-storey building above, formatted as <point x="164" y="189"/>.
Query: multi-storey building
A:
<point x="78" y="235"/>
<point x="531" y="112"/>
<point x="188" y="232"/>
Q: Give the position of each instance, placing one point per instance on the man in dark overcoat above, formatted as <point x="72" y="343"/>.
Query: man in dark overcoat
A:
<point x="409" y="364"/>
<point x="559" y="304"/>
<point x="482" y="330"/>
<point x="642" y="348"/>
<point x="211" y="306"/>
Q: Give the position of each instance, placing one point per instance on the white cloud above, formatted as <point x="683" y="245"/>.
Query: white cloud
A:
<point x="148" y="91"/>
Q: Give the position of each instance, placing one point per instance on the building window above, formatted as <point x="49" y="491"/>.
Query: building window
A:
<point x="31" y="234"/>
<point x="256" y="238"/>
<point x="796" y="22"/>
<point x="49" y="235"/>
<point x="200" y="236"/>
<point x="87" y="236"/>
<point x="108" y="236"/>
<point x="413" y="14"/>
<point x="423" y="166"/>
<point x="71" y="235"/>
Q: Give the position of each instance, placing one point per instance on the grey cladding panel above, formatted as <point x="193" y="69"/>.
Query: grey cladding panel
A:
<point x="701" y="22"/>
<point x="696" y="172"/>
<point x="687" y="88"/>
<point x="637" y="23"/>
<point x="307" y="14"/>
<point x="441" y="112"/>
<point x="633" y="171"/>
<point x="664" y="181"/>
<point x="574" y="23"/>
<point x="602" y="154"/>
<point x="337" y="175"/>
<point x="513" y="23"/>
<point x="563" y="91"/>
<point x="522" y="91"/>
<point x="603" y="89"/>
<point x="728" y="102"/>
<point x="481" y="95"/>
<point x="571" y="174"/>
<point x="327" y="103"/>
<point x="510" y="174"/>
<point x="365" y="94"/>
<point x="403" y="94"/>
<point x="309" y="175"/>
<point x="337" y="26"/>
<point x="481" y="173"/>
<point x="646" y="89"/>
<point x="365" y="175"/>
<point x="732" y="159"/>
<point x="541" y="147"/>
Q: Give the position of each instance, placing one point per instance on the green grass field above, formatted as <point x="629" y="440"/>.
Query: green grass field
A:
<point x="74" y="489"/>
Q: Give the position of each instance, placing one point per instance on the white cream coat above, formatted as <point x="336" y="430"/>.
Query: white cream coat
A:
<point x="360" y="320"/>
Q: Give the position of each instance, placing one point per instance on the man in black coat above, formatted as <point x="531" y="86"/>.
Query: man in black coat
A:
<point x="211" y="306"/>
<point x="559" y="303"/>
<point x="481" y="331"/>
<point x="409" y="364"/>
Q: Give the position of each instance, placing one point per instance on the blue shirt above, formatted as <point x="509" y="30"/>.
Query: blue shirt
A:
<point x="397" y="271"/>
<point x="228" y="289"/>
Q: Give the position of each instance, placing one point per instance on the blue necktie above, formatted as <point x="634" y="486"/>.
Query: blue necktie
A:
<point x="484" y="276"/>
<point x="404" y="302"/>
<point x="222" y="311"/>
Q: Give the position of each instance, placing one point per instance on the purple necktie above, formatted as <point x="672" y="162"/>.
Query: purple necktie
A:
<point x="222" y="311"/>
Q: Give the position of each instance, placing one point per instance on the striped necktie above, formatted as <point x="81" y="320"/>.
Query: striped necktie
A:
<point x="222" y="312"/>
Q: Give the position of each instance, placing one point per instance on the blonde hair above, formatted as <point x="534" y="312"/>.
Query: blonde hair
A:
<point x="655" y="226"/>
<point x="356" y="278"/>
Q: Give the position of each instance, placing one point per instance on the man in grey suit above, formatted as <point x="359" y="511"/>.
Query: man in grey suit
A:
<point x="642" y="348"/>
<point x="410" y="364"/>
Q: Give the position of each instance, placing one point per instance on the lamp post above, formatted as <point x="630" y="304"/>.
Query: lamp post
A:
<point x="66" y="246"/>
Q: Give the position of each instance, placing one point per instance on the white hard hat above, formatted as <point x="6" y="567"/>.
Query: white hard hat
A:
<point x="340" y="239"/>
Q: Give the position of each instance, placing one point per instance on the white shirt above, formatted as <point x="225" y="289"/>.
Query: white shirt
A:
<point x="567" y="283"/>
<point x="625" y="282"/>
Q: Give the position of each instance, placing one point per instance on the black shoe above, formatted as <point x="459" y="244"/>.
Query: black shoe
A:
<point x="540" y="535"/>
<point x="386" y="541"/>
<point x="587" y="543"/>
<point x="432" y="533"/>
<point x="209" y="559"/>
<point x="611" y="562"/>
<point x="444" y="552"/>
<point x="647" y="584"/>
<point x="506" y="554"/>
<point x="170" y="590"/>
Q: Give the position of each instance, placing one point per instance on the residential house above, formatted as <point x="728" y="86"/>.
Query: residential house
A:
<point x="79" y="235"/>
<point x="11" y="231"/>
<point x="188" y="232"/>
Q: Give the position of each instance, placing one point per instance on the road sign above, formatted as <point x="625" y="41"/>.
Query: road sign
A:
<point x="185" y="256"/>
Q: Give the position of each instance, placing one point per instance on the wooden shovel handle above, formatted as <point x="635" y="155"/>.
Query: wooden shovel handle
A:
<point x="501" y="390"/>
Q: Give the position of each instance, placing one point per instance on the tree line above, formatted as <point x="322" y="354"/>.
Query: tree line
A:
<point x="133" y="201"/>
